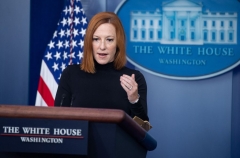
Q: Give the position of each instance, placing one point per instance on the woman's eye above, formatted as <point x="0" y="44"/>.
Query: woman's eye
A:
<point x="95" y="39"/>
<point x="110" y="40"/>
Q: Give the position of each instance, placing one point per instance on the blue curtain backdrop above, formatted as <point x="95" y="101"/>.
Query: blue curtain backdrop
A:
<point x="235" y="129"/>
<point x="43" y="22"/>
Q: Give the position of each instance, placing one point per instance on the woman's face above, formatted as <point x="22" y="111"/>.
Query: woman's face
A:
<point x="104" y="43"/>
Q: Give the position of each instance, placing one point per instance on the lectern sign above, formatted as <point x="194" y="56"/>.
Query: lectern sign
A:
<point x="43" y="136"/>
<point x="182" y="39"/>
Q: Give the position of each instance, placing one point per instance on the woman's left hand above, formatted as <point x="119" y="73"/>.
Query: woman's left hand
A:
<point x="130" y="86"/>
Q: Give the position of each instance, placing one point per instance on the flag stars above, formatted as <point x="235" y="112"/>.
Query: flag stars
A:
<point x="83" y="31"/>
<point x="61" y="33"/>
<point x="70" y="9"/>
<point x="63" y="66"/>
<point x="65" y="55"/>
<point x="75" y="32"/>
<point x="55" y="66"/>
<point x="81" y="43"/>
<point x="84" y="20"/>
<point x="59" y="77"/>
<point x="68" y="33"/>
<point x="48" y="55"/>
<point x="65" y="11"/>
<point x="57" y="55"/>
<point x="80" y="55"/>
<point x="76" y="21"/>
<point x="51" y="44"/>
<point x="66" y="44"/>
<point x="69" y="21"/>
<point x="60" y="44"/>
<point x="64" y="21"/>
<point x="74" y="44"/>
<point x="55" y="34"/>
<point x="72" y="55"/>
<point x="82" y="10"/>
<point x="77" y="10"/>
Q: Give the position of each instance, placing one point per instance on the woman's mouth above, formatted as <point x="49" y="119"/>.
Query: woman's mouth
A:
<point x="102" y="54"/>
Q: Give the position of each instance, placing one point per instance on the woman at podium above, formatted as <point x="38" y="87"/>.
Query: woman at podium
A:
<point x="102" y="80"/>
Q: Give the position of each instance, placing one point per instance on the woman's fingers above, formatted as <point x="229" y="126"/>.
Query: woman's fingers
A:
<point x="130" y="86"/>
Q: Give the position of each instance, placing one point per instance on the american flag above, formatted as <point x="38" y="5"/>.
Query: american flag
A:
<point x="65" y="48"/>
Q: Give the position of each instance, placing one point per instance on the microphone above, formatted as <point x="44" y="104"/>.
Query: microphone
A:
<point x="63" y="97"/>
<point x="72" y="101"/>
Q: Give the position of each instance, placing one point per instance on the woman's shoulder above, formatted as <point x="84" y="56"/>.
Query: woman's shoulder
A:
<point x="72" y="69"/>
<point x="75" y="67"/>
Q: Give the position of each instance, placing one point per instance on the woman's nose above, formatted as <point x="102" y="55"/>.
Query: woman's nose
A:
<point x="103" y="45"/>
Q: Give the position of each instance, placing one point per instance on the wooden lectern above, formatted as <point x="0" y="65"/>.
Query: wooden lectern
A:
<point x="111" y="133"/>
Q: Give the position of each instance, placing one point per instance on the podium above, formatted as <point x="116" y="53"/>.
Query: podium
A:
<point x="111" y="133"/>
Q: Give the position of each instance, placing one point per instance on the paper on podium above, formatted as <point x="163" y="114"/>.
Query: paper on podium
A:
<point x="144" y="124"/>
